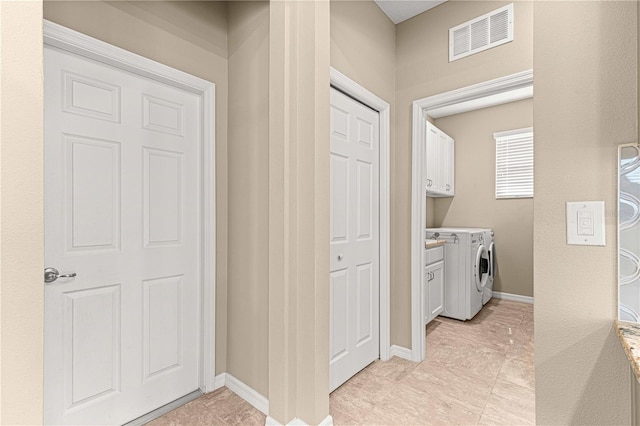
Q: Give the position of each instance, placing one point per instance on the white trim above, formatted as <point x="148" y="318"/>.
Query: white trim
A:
<point x="66" y="39"/>
<point x="527" y="130"/>
<point x="328" y="421"/>
<point x="253" y="397"/>
<point x="353" y="89"/>
<point x="501" y="90"/>
<point x="401" y="352"/>
<point x="506" y="86"/>
<point x="219" y="381"/>
<point x="270" y="421"/>
<point x="513" y="297"/>
<point x="418" y="225"/>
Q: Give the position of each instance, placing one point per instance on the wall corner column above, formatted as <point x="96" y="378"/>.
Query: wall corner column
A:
<point x="299" y="211"/>
<point x="21" y="213"/>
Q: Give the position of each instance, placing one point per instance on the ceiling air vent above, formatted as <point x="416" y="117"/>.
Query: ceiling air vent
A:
<point x="482" y="33"/>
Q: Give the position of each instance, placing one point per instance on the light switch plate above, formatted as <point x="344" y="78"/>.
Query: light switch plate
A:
<point x="585" y="223"/>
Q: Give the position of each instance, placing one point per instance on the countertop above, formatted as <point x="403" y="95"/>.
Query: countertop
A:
<point x="433" y="243"/>
<point x="629" y="333"/>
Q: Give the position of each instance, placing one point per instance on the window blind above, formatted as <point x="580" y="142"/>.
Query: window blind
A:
<point x="514" y="163"/>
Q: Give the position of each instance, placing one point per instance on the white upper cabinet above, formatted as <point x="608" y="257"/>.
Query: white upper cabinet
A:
<point x="439" y="169"/>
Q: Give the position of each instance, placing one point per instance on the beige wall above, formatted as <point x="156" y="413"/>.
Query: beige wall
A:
<point x="189" y="36"/>
<point x="475" y="204"/>
<point x="363" y="47"/>
<point x="422" y="69"/>
<point x="248" y="289"/>
<point x="585" y="104"/>
<point x="21" y="220"/>
<point x="635" y="397"/>
<point x="298" y="211"/>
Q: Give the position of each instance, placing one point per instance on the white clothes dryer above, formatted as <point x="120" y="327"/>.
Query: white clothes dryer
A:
<point x="466" y="263"/>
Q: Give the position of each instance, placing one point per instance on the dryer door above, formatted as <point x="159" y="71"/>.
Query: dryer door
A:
<point x="481" y="268"/>
<point x="492" y="260"/>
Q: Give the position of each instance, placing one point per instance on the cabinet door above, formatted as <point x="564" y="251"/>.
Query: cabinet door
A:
<point x="433" y="154"/>
<point x="435" y="283"/>
<point x="449" y="165"/>
<point x="426" y="308"/>
<point x="439" y="164"/>
<point x="443" y="164"/>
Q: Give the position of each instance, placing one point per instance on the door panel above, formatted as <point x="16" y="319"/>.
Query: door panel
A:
<point x="92" y="181"/>
<point x="162" y="196"/>
<point x="122" y="202"/>
<point x="163" y="317"/>
<point x="365" y="296"/>
<point x="364" y="186"/>
<point x="339" y="315"/>
<point x="339" y="198"/>
<point x="354" y="240"/>
<point x="91" y="324"/>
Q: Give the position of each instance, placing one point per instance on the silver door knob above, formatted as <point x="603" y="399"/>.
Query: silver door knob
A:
<point x="52" y="274"/>
<point x="339" y="257"/>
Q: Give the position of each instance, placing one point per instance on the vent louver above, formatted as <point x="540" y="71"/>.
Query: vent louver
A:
<point x="482" y="33"/>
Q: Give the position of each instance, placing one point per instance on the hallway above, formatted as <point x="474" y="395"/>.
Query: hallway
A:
<point x="475" y="372"/>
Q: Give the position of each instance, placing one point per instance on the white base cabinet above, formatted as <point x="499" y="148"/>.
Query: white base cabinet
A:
<point x="440" y="163"/>
<point x="433" y="290"/>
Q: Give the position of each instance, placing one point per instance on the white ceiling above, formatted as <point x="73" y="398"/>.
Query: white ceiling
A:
<point x="401" y="10"/>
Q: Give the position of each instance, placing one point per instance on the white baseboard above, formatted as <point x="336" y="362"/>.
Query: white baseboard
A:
<point x="218" y="381"/>
<point x="259" y="401"/>
<point x="401" y="352"/>
<point x="513" y="297"/>
<point x="328" y="421"/>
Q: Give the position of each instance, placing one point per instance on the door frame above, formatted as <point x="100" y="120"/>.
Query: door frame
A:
<point x="346" y="85"/>
<point x="502" y="90"/>
<point x="61" y="37"/>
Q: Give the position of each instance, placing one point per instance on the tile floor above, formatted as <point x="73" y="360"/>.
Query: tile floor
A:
<point x="478" y="372"/>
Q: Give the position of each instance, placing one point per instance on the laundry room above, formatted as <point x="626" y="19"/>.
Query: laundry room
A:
<point x="475" y="204"/>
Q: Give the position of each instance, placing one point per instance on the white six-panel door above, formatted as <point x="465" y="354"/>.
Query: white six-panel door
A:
<point x="354" y="238"/>
<point x="122" y="203"/>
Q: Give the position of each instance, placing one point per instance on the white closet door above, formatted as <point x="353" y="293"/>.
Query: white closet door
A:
<point x="354" y="277"/>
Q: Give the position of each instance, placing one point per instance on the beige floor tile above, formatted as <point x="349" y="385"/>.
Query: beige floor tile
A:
<point x="407" y="406"/>
<point x="476" y="372"/>
<point x="471" y="360"/>
<point x="343" y="419"/>
<point x="497" y="338"/>
<point x="395" y="369"/>
<point x="240" y="414"/>
<point x="256" y="419"/>
<point x="509" y="404"/>
<point x="193" y="413"/>
<point x="519" y="371"/>
<point x="522" y="348"/>
<point x="453" y="386"/>
<point x="514" y="395"/>
<point x="364" y="389"/>
<point x="220" y="400"/>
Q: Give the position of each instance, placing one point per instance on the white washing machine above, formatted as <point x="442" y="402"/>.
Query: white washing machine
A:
<point x="466" y="267"/>
<point x="489" y="243"/>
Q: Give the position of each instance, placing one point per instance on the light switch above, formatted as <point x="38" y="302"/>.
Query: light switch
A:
<point x="585" y="223"/>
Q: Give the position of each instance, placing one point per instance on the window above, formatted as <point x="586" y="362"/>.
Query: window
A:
<point x="514" y="163"/>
